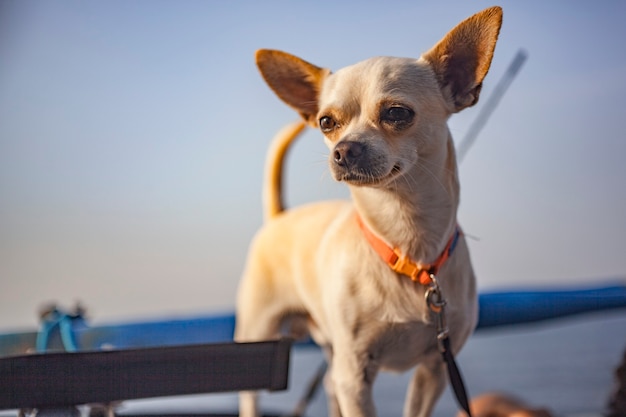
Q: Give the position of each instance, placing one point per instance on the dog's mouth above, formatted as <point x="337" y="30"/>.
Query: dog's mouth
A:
<point x="362" y="177"/>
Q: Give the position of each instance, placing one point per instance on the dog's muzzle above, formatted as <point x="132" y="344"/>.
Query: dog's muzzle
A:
<point x="356" y="163"/>
<point x="350" y="162"/>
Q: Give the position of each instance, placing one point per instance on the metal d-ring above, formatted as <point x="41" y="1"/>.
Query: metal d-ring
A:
<point x="434" y="297"/>
<point x="436" y="303"/>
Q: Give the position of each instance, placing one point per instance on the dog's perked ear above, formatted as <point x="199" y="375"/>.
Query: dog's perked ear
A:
<point x="294" y="80"/>
<point x="462" y="58"/>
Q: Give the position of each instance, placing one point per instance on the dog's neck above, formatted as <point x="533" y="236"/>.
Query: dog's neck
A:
<point x="416" y="214"/>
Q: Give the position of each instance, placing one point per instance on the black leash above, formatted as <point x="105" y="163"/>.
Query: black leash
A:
<point x="436" y="303"/>
<point x="456" y="379"/>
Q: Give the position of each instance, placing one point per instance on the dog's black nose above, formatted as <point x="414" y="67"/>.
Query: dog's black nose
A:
<point x="346" y="153"/>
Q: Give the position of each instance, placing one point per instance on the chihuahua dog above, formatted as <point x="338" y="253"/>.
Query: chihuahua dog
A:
<point x="324" y="267"/>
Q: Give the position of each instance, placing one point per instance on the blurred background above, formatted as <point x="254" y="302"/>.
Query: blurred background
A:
<point x="133" y="137"/>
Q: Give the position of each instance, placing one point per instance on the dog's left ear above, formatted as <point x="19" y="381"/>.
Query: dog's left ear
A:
<point x="462" y="58"/>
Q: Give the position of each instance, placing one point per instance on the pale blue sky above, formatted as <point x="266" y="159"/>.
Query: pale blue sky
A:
<point x="133" y="134"/>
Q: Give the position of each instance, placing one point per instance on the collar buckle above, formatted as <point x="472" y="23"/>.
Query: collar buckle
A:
<point x="406" y="266"/>
<point x="402" y="264"/>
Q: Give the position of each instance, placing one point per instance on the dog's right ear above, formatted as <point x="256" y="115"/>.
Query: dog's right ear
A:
<point x="294" y="80"/>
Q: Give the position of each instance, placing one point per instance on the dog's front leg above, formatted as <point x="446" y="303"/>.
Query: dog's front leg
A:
<point x="352" y="374"/>
<point x="329" y="386"/>
<point x="427" y="385"/>
<point x="248" y="406"/>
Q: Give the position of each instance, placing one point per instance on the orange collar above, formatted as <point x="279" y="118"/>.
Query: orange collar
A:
<point x="402" y="264"/>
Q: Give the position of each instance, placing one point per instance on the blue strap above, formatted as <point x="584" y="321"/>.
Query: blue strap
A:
<point x="64" y="322"/>
<point x="455" y="240"/>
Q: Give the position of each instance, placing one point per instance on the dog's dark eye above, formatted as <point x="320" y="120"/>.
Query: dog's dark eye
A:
<point x="397" y="115"/>
<point x="327" y="124"/>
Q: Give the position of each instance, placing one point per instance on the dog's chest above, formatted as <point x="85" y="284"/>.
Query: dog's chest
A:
<point x="390" y="321"/>
<point x="398" y="346"/>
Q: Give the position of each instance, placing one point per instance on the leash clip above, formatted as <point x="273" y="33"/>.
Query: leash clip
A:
<point x="436" y="303"/>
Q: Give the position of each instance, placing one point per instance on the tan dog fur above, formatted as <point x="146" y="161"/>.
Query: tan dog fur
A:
<point x="385" y="123"/>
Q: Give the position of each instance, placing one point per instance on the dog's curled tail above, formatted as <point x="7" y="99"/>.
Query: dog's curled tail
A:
<point x="272" y="189"/>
